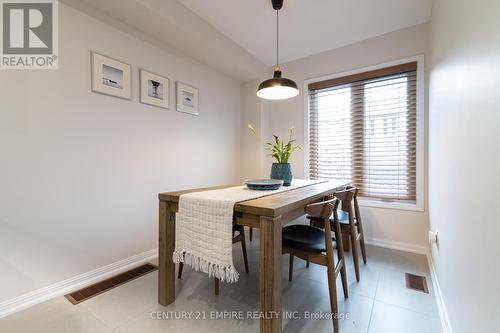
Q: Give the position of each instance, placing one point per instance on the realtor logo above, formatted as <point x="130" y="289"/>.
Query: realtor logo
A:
<point x="29" y="34"/>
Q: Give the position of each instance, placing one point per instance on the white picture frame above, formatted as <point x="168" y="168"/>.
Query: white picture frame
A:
<point x="187" y="99"/>
<point x="111" y="77"/>
<point x="154" y="89"/>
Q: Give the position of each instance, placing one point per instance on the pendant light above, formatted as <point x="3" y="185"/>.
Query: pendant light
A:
<point x="277" y="87"/>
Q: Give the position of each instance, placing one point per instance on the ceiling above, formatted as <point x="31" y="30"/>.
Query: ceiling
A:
<point x="172" y="26"/>
<point x="307" y="26"/>
<point x="237" y="37"/>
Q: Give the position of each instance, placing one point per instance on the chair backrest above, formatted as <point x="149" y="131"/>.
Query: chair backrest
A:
<point x="323" y="209"/>
<point x="357" y="212"/>
<point x="347" y="196"/>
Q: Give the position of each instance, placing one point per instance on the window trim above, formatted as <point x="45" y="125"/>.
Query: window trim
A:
<point x="369" y="202"/>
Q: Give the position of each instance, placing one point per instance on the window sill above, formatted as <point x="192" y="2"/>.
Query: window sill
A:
<point x="416" y="207"/>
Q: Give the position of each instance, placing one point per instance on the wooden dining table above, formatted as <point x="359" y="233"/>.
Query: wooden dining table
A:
<point x="268" y="213"/>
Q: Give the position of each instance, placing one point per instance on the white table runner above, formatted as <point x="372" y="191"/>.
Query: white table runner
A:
<point x="204" y="228"/>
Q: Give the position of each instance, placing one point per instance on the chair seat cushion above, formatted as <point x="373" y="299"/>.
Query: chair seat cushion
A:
<point x="343" y="217"/>
<point x="305" y="238"/>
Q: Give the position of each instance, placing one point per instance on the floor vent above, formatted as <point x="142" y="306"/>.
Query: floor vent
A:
<point x="416" y="282"/>
<point x="105" y="285"/>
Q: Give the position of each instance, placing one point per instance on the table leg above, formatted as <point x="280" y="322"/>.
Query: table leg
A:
<point x="270" y="275"/>
<point x="166" y="246"/>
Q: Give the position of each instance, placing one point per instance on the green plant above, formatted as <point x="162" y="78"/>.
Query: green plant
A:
<point x="278" y="149"/>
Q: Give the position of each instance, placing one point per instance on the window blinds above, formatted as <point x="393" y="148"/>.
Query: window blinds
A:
<point x="362" y="128"/>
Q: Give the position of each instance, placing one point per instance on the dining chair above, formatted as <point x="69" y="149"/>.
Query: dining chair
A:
<point x="350" y="222"/>
<point x="316" y="245"/>
<point x="240" y="237"/>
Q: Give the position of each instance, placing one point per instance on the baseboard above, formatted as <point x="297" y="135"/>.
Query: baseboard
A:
<point x="443" y="312"/>
<point x="407" y="247"/>
<point x="60" y="288"/>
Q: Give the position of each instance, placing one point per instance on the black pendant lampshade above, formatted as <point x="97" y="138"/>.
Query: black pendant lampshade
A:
<point x="277" y="87"/>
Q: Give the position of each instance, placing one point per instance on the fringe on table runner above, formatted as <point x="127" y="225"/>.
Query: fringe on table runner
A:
<point x="224" y="273"/>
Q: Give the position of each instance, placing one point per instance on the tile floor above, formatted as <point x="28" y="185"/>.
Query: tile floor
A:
<point x="379" y="303"/>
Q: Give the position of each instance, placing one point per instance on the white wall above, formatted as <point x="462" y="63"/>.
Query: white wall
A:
<point x="393" y="226"/>
<point x="254" y="111"/>
<point x="80" y="172"/>
<point x="464" y="160"/>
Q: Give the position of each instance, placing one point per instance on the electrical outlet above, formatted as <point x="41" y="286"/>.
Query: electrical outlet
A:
<point x="433" y="237"/>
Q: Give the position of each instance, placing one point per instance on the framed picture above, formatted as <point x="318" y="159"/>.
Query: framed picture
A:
<point x="187" y="99"/>
<point x="111" y="77"/>
<point x="154" y="89"/>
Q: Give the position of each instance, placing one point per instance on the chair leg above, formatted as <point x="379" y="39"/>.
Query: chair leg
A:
<point x="347" y="242"/>
<point x="216" y="286"/>
<point x="363" y="247"/>
<point x="332" y="288"/>
<point x="251" y="234"/>
<point x="290" y="268"/>
<point x="311" y="223"/>
<point x="354" y="249"/>
<point x="179" y="274"/>
<point x="343" y="275"/>
<point x="244" y="249"/>
<point x="343" y="270"/>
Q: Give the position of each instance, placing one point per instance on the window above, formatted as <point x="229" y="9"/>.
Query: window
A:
<point x="363" y="128"/>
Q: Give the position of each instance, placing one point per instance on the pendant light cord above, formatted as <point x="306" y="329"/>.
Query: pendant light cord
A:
<point x="277" y="38"/>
